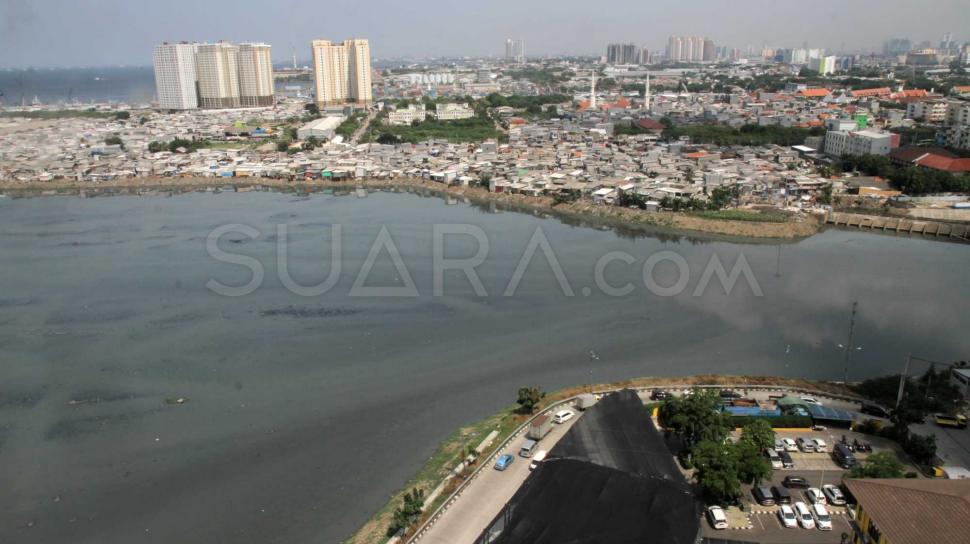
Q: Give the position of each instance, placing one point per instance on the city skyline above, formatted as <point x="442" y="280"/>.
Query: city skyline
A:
<point x="64" y="34"/>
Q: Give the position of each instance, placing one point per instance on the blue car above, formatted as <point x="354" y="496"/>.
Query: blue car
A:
<point x="504" y="461"/>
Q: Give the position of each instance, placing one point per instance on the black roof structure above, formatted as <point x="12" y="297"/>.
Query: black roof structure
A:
<point x="609" y="480"/>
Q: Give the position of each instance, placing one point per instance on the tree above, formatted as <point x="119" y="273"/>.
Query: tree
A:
<point x="883" y="464"/>
<point x="484" y="180"/>
<point x="696" y="417"/>
<point x="759" y="434"/>
<point x="922" y="448"/>
<point x="408" y="513"/>
<point x="282" y="145"/>
<point x="753" y="464"/>
<point x="311" y="143"/>
<point x="312" y="109"/>
<point x="114" y="140"/>
<point x="122" y="115"/>
<point x="529" y="398"/>
<point x="717" y="471"/>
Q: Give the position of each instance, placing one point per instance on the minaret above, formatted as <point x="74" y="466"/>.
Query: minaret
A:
<point x="646" y="93"/>
<point x="592" y="93"/>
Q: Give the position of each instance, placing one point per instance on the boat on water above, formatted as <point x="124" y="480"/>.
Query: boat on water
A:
<point x="361" y="192"/>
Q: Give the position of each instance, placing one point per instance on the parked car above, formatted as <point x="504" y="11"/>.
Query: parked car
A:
<point x="807" y="446"/>
<point x="843" y="456"/>
<point x="795" y="482"/>
<point x="504" y="461"/>
<point x="774" y="458"/>
<point x="874" y="410"/>
<point x="833" y="495"/>
<point x="790" y="444"/>
<point x="659" y="394"/>
<point x="538" y="458"/>
<point x="811" y="400"/>
<point x="779" y="445"/>
<point x="804" y="515"/>
<point x="717" y="517"/>
<point x="763" y="495"/>
<point x="563" y="416"/>
<point x="814" y="495"/>
<point x="822" y="519"/>
<point x="782" y="495"/>
<point x="787" y="516"/>
<point x="786" y="460"/>
<point x="820" y="445"/>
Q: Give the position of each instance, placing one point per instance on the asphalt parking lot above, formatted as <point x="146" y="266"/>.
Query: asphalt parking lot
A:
<point x="765" y="527"/>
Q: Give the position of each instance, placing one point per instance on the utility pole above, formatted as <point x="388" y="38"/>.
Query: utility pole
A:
<point x="902" y="380"/>
<point x="848" y="347"/>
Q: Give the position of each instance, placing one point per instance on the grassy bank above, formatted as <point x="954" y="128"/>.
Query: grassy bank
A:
<point x="450" y="452"/>
<point x="582" y="211"/>
<point x="740" y="215"/>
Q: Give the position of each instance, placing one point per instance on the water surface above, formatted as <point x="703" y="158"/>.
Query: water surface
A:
<point x="304" y="414"/>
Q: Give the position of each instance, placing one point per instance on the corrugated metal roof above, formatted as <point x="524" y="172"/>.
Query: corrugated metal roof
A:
<point x="913" y="511"/>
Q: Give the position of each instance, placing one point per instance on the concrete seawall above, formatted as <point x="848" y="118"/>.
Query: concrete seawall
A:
<point x="900" y="224"/>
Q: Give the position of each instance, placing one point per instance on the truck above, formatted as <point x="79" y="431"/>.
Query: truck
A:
<point x="585" y="401"/>
<point x="539" y="427"/>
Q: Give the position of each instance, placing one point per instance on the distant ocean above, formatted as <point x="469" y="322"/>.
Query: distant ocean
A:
<point x="85" y="85"/>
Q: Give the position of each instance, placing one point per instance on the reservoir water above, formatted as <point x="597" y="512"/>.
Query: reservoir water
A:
<point x="303" y="413"/>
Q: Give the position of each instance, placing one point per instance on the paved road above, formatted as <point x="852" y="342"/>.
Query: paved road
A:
<point x="952" y="445"/>
<point x="363" y="126"/>
<point x="486" y="495"/>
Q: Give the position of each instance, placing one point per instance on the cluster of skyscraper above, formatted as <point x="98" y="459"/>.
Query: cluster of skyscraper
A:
<point x="691" y="49"/>
<point x="342" y="72"/>
<point x="515" y="50"/>
<point x="626" y="53"/>
<point x="213" y="75"/>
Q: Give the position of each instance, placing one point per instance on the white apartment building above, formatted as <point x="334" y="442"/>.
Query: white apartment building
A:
<point x="862" y="142"/>
<point x="685" y="48"/>
<point x="342" y="72"/>
<point x="956" y="132"/>
<point x="255" y="75"/>
<point x="927" y="111"/>
<point x="408" y="115"/>
<point x="217" y="69"/>
<point x="826" y="65"/>
<point x="175" y="76"/>
<point x="453" y="112"/>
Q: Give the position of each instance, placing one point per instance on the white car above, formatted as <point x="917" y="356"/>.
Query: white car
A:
<point x="717" y="517"/>
<point x="563" y="416"/>
<point x="820" y="445"/>
<point x="774" y="458"/>
<point x="814" y="496"/>
<point x="779" y="445"/>
<point x="537" y="458"/>
<point x="811" y="400"/>
<point x="804" y="515"/>
<point x="822" y="519"/>
<point x="787" y="517"/>
<point x="790" y="444"/>
<point x="833" y="495"/>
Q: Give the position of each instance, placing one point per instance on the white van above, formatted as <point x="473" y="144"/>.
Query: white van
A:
<point x="822" y="518"/>
<point x="528" y="448"/>
<point x="537" y="458"/>
<point x="717" y="517"/>
<point x="563" y="416"/>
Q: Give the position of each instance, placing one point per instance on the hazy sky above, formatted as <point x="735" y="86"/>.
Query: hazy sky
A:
<point x="111" y="32"/>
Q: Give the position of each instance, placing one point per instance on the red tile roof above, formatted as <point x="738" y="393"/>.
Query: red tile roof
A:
<point x="649" y="124"/>
<point x="946" y="164"/>
<point x="881" y="91"/>
<point x="814" y="93"/>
